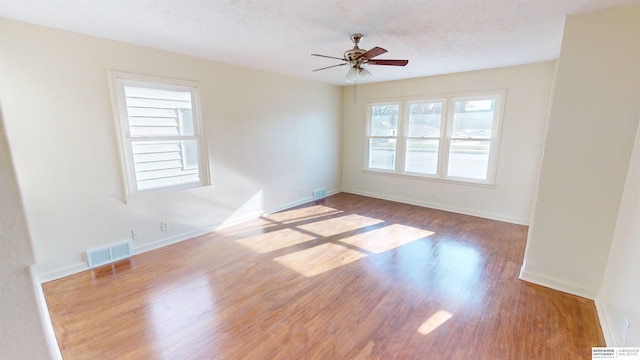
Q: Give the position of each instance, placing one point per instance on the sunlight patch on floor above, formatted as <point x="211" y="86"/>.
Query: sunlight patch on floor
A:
<point x="275" y="240"/>
<point x="258" y="224"/>
<point x="319" y="259"/>
<point x="434" y="321"/>
<point x="340" y="225"/>
<point x="302" y="214"/>
<point x="386" y="238"/>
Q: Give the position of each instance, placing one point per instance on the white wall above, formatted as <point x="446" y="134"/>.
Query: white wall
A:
<point x="528" y="92"/>
<point x="272" y="140"/>
<point x="592" y="124"/>
<point x="22" y="331"/>
<point x="619" y="297"/>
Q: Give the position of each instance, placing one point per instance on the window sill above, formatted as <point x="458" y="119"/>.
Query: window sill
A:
<point x="427" y="178"/>
<point x="168" y="192"/>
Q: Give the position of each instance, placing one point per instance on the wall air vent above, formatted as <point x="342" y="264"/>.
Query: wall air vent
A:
<point x="319" y="193"/>
<point x="106" y="255"/>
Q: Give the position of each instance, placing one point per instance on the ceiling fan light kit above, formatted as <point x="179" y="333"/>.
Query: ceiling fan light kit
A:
<point x="356" y="73"/>
<point x="357" y="58"/>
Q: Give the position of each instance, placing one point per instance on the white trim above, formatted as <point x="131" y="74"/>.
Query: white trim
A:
<point x="79" y="267"/>
<point x="606" y="323"/>
<point x="45" y="318"/>
<point x="51" y="275"/>
<point x="437" y="206"/>
<point x="416" y="176"/>
<point x="556" y="284"/>
<point x="117" y="81"/>
<point x="543" y="144"/>
<point x="446" y="129"/>
<point x="171" y="240"/>
<point x="227" y="223"/>
<point x="167" y="192"/>
<point x="443" y="131"/>
<point x="396" y="137"/>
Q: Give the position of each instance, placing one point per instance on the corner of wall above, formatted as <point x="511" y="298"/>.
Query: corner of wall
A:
<point x="555" y="284"/>
<point x="43" y="311"/>
<point x="606" y="323"/>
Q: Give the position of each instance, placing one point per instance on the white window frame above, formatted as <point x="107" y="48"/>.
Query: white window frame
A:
<point x="445" y="139"/>
<point x="443" y="131"/>
<point x="186" y="166"/>
<point x="118" y="81"/>
<point x="397" y="137"/>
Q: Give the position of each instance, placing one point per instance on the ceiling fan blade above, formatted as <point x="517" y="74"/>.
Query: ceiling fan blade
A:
<point x="328" y="67"/>
<point x="373" y="53"/>
<point x="388" y="62"/>
<point x="330" y="57"/>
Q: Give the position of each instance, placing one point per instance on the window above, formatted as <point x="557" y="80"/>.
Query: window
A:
<point x="470" y="138"/>
<point x="452" y="138"/>
<point x="424" y="130"/>
<point x="383" y="136"/>
<point x="160" y="133"/>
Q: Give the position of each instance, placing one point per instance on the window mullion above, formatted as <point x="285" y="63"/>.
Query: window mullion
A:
<point x="446" y="138"/>
<point x="466" y="140"/>
<point x="401" y="142"/>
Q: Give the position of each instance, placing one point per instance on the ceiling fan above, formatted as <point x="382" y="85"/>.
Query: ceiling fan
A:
<point x="356" y="58"/>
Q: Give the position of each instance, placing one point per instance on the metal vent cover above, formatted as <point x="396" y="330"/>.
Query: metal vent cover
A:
<point x="319" y="193"/>
<point x="105" y="255"/>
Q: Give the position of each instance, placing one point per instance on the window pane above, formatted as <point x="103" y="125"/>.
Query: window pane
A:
<point x="382" y="154"/>
<point x="158" y="112"/>
<point x="189" y="154"/>
<point x="422" y="156"/>
<point x="473" y="119"/>
<point x="469" y="159"/>
<point x="424" y="119"/>
<point x="165" y="163"/>
<point x="186" y="122"/>
<point x="384" y="120"/>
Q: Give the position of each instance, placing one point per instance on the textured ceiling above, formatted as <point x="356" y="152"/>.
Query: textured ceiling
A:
<point x="437" y="36"/>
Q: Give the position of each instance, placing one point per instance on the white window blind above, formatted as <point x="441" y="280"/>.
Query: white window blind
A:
<point x="160" y="133"/>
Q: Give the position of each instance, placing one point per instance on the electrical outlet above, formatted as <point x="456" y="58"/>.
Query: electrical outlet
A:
<point x="625" y="329"/>
<point x="136" y="234"/>
<point x="164" y="226"/>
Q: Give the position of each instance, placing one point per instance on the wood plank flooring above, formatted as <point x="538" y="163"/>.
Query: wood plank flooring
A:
<point x="350" y="277"/>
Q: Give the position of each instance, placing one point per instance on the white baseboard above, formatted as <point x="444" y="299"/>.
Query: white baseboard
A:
<point x="229" y="222"/>
<point x="606" y="323"/>
<point x="437" y="206"/>
<point x="171" y="240"/>
<point x="47" y="326"/>
<point x="287" y="206"/>
<point x="43" y="277"/>
<point x="556" y="284"/>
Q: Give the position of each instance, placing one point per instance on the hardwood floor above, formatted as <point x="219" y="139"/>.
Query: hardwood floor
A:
<point x="348" y="278"/>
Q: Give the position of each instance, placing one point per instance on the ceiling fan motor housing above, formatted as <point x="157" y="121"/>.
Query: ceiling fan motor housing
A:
<point x="357" y="57"/>
<point x="352" y="54"/>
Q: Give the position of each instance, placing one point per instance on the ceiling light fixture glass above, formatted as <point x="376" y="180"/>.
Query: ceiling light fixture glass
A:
<point x="357" y="73"/>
